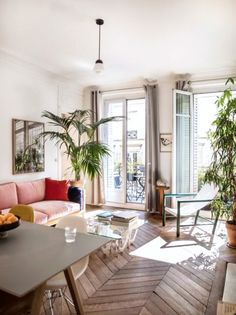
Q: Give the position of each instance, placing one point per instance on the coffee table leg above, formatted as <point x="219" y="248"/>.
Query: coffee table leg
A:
<point x="74" y="290"/>
<point x="132" y="236"/>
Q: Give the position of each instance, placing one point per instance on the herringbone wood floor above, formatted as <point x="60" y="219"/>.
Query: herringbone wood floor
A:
<point x="158" y="274"/>
<point x="130" y="283"/>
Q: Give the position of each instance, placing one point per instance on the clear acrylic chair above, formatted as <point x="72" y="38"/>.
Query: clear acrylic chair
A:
<point x="191" y="207"/>
<point x="56" y="286"/>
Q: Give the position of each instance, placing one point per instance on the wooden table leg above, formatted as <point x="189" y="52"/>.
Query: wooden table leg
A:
<point x="74" y="291"/>
<point x="37" y="300"/>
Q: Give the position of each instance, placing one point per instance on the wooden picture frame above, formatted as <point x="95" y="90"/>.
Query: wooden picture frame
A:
<point x="165" y="142"/>
<point x="27" y="147"/>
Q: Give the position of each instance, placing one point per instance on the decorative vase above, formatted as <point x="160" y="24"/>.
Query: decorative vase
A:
<point x="231" y="233"/>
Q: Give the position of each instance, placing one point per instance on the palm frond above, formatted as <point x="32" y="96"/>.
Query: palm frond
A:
<point x="85" y="157"/>
<point x="103" y="121"/>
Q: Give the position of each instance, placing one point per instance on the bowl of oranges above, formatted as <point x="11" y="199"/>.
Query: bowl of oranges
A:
<point x="8" y="222"/>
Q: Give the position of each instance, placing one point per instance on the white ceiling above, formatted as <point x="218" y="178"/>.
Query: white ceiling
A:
<point x="140" y="38"/>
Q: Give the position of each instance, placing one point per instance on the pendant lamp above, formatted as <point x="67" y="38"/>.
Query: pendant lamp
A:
<point x="98" y="67"/>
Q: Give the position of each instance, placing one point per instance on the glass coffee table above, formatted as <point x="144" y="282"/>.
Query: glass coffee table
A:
<point x="122" y="235"/>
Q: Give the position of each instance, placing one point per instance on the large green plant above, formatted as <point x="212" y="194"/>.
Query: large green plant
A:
<point x="222" y="170"/>
<point x="76" y="133"/>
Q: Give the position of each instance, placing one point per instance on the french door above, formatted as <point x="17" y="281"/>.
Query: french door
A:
<point x="124" y="169"/>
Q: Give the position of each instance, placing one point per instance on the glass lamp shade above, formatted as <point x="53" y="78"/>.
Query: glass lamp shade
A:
<point x="98" y="67"/>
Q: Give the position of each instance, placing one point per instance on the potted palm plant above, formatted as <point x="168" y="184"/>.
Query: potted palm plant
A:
<point x="222" y="170"/>
<point x="75" y="134"/>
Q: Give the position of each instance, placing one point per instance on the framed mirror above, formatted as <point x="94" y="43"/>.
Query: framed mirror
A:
<point x="28" y="148"/>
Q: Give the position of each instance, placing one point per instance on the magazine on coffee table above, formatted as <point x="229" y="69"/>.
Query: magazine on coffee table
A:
<point x="124" y="216"/>
<point x="105" y="216"/>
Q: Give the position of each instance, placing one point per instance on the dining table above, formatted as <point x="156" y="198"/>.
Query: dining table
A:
<point x="33" y="253"/>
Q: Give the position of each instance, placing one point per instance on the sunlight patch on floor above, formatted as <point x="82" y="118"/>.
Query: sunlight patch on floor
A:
<point x="175" y="251"/>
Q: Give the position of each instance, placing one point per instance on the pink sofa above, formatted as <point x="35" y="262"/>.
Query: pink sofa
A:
<point x="32" y="193"/>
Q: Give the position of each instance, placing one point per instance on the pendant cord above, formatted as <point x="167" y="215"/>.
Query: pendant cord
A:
<point x="99" y="42"/>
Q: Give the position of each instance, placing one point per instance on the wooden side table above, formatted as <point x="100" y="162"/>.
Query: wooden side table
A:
<point x="160" y="193"/>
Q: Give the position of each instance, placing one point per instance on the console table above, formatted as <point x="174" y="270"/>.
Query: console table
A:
<point x="160" y="193"/>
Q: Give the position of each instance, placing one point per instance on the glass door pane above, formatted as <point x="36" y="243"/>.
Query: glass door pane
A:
<point x="124" y="168"/>
<point x="182" y="142"/>
<point x="113" y="164"/>
<point x="135" y="151"/>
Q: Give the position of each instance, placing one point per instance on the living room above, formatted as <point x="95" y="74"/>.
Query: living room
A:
<point x="48" y="51"/>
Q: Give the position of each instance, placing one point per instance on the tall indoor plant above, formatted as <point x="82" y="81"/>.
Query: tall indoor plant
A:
<point x="76" y="134"/>
<point x="222" y="170"/>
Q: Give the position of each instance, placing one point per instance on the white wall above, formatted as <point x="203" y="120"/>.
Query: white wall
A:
<point x="70" y="98"/>
<point x="25" y="92"/>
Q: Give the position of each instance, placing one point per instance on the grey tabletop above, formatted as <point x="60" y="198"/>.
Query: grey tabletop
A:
<point x="33" y="253"/>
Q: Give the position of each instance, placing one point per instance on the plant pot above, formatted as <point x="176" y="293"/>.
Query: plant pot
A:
<point x="231" y="233"/>
<point x="77" y="183"/>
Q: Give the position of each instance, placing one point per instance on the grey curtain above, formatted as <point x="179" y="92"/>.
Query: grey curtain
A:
<point x="152" y="147"/>
<point x="183" y="85"/>
<point x="97" y="192"/>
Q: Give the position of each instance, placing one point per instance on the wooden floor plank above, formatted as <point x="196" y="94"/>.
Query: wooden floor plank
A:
<point x="110" y="264"/>
<point x="129" y="311"/>
<point x="152" y="308"/>
<point x="86" y="285"/>
<point x="144" y="264"/>
<point x="201" y="274"/>
<point x="160" y="303"/>
<point x="196" y="290"/>
<point x="185" y="294"/>
<point x="217" y="288"/>
<point x="193" y="277"/>
<point x="174" y="300"/>
<point x="114" y="306"/>
<point x="118" y="298"/>
<point x="133" y="289"/>
<point x="144" y="311"/>
<point x="205" y="263"/>
<point x="97" y="264"/>
<point x="138" y="271"/>
<point x="129" y="285"/>
<point x="93" y="278"/>
<point x="134" y="279"/>
<point x="142" y="273"/>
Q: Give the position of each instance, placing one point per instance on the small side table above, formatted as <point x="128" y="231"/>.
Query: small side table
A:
<point x="160" y="193"/>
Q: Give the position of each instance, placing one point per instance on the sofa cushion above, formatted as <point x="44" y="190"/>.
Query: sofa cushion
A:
<point x="56" y="189"/>
<point x="8" y="195"/>
<point x="32" y="191"/>
<point x="39" y="217"/>
<point x="55" y="208"/>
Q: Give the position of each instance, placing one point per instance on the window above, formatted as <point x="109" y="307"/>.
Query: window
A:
<point x="191" y="147"/>
<point x="182" y="142"/>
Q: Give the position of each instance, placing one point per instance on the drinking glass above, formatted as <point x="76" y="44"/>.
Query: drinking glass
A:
<point x="70" y="234"/>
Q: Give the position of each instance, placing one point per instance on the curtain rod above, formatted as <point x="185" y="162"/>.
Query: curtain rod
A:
<point x="214" y="79"/>
<point x="124" y="89"/>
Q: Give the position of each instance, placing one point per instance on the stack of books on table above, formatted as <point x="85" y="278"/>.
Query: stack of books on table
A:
<point x="105" y="216"/>
<point x="123" y="218"/>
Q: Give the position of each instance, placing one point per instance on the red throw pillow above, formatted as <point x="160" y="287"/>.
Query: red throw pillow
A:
<point x="56" y="189"/>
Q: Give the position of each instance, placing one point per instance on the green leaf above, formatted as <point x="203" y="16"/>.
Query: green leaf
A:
<point x="75" y="134"/>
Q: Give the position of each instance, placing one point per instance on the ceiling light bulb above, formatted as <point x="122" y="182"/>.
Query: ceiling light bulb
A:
<point x="98" y="67"/>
